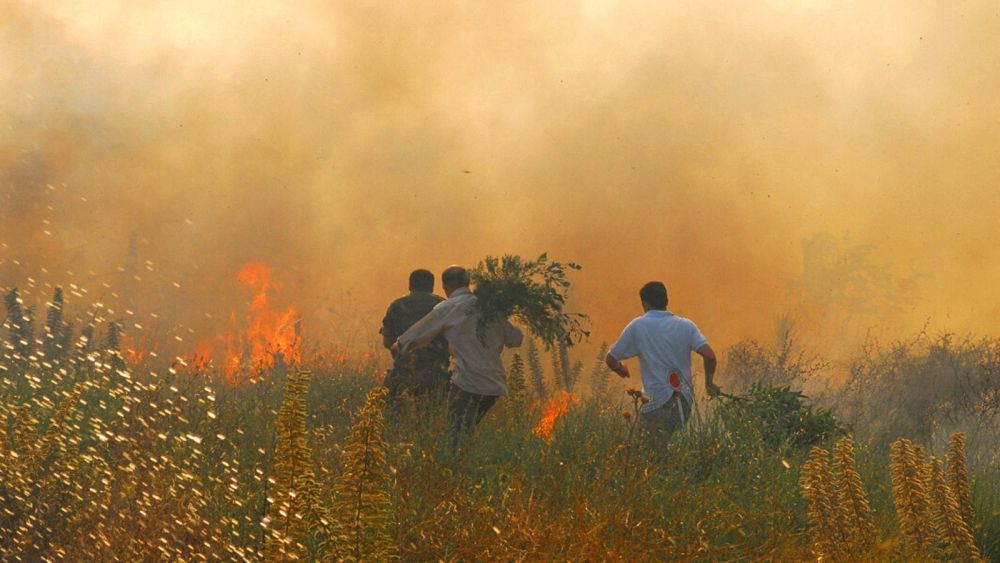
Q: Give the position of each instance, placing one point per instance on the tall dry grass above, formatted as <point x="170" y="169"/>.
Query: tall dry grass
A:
<point x="174" y="463"/>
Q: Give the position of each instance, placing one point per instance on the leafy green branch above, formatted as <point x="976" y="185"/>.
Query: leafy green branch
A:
<point x="530" y="292"/>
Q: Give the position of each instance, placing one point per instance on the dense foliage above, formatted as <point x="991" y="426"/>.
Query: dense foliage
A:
<point x="784" y="417"/>
<point x="531" y="292"/>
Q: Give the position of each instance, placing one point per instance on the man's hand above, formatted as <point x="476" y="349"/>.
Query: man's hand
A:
<point x="616" y="366"/>
<point x="712" y="389"/>
<point x="622" y="371"/>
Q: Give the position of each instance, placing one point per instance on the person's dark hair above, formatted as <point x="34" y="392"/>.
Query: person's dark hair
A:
<point x="422" y="280"/>
<point x="455" y="276"/>
<point x="654" y="294"/>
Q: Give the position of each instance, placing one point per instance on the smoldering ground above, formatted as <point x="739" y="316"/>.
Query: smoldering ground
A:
<point x="833" y="163"/>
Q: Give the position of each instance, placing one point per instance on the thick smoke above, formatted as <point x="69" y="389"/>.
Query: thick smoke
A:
<point x="832" y="163"/>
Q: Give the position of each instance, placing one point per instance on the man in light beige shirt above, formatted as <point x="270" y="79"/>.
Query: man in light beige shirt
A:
<point x="480" y="376"/>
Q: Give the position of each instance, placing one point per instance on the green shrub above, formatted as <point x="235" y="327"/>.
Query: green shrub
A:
<point x="784" y="417"/>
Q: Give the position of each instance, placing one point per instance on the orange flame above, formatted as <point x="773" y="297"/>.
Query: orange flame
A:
<point x="201" y="358"/>
<point x="270" y="334"/>
<point x="136" y="349"/>
<point x="551" y="411"/>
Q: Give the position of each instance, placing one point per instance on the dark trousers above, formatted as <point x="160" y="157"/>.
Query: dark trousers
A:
<point x="465" y="410"/>
<point x="660" y="423"/>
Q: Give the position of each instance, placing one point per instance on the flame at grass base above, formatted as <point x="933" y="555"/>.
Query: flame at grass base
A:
<point x="136" y="349"/>
<point x="551" y="411"/>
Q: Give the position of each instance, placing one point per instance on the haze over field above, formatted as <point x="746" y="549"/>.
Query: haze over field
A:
<point x="834" y="162"/>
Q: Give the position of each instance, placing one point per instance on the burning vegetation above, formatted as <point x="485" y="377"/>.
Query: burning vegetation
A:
<point x="110" y="451"/>
<point x="272" y="336"/>
<point x="551" y="411"/>
<point x="160" y="403"/>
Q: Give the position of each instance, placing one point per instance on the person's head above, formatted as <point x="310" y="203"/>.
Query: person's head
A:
<point x="422" y="280"/>
<point x="653" y="296"/>
<point x="454" y="277"/>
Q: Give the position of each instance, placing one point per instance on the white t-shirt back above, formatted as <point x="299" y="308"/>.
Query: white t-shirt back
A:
<point x="664" y="342"/>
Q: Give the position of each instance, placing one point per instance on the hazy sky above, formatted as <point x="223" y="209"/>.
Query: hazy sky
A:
<point x="835" y="162"/>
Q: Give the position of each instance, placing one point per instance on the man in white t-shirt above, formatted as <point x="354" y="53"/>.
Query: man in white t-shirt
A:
<point x="664" y="342"/>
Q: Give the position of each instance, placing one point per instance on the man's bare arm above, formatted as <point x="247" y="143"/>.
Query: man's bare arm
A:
<point x="616" y="366"/>
<point x="423" y="332"/>
<point x="708" y="355"/>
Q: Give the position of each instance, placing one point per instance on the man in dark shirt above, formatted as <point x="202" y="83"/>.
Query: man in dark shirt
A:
<point x="422" y="372"/>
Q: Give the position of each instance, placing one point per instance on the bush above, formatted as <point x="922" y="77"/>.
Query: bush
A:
<point x="783" y="417"/>
<point x="925" y="388"/>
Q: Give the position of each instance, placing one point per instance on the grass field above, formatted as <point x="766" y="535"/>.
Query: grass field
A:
<point x="138" y="464"/>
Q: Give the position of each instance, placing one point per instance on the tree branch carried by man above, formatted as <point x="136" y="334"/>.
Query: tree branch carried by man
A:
<point x="480" y="377"/>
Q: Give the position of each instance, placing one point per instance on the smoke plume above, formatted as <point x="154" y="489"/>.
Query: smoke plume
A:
<point x="829" y="162"/>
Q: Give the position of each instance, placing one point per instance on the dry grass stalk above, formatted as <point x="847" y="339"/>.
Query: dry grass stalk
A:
<point x="297" y="512"/>
<point x="852" y="502"/>
<point x="35" y="479"/>
<point x="958" y="477"/>
<point x="818" y="489"/>
<point x="363" y="510"/>
<point x="536" y="371"/>
<point x="954" y="537"/>
<point x="911" y="497"/>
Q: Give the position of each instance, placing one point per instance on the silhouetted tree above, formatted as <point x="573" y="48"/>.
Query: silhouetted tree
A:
<point x="58" y="333"/>
<point x="20" y="325"/>
<point x="113" y="345"/>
